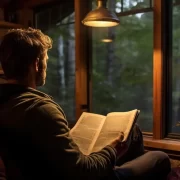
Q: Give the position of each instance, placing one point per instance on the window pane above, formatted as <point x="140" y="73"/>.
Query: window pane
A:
<point x="60" y="82"/>
<point x="176" y="72"/>
<point x="126" y="5"/>
<point x="122" y="68"/>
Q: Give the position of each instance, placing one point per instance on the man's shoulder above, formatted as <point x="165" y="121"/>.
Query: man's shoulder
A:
<point x="43" y="106"/>
<point x="41" y="100"/>
<point x="20" y="103"/>
<point x="36" y="97"/>
<point x="17" y="91"/>
<point x="30" y="98"/>
<point x="36" y="93"/>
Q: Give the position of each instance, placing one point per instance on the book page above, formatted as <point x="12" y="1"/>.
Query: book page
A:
<point x="86" y="131"/>
<point x="115" y="123"/>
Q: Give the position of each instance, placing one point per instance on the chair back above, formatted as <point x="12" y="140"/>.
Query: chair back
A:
<point x="8" y="168"/>
<point x="2" y="170"/>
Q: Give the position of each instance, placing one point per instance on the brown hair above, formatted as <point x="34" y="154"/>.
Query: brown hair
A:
<point x="20" y="48"/>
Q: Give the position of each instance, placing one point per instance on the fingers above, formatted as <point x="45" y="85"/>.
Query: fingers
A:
<point x="118" y="140"/>
<point x="121" y="137"/>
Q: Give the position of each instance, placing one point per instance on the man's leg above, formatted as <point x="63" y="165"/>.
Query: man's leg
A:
<point x="151" y="165"/>
<point x="136" y="147"/>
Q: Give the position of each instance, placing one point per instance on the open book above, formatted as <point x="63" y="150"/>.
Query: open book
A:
<point x="92" y="132"/>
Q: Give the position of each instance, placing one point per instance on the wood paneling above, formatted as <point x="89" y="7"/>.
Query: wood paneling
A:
<point x="18" y="4"/>
<point x="34" y="3"/>
<point x="5" y="25"/>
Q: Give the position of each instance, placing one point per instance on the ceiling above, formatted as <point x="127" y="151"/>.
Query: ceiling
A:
<point x="67" y="6"/>
<point x="18" y="4"/>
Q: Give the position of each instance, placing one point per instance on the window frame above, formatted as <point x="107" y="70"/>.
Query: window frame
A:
<point x="162" y="70"/>
<point x="82" y="57"/>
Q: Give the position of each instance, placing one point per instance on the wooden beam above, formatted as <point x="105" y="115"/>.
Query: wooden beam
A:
<point x="8" y="25"/>
<point x="157" y="72"/>
<point x="19" y="4"/>
<point x="81" y="49"/>
<point x="35" y="3"/>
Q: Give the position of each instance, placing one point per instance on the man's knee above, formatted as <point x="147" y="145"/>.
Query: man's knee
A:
<point x="162" y="159"/>
<point x="158" y="154"/>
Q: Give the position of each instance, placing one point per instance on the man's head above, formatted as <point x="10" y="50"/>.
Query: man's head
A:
<point x="23" y="55"/>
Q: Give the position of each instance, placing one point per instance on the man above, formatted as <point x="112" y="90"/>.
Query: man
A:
<point x="34" y="132"/>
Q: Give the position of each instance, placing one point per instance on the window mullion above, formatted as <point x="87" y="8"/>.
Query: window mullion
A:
<point x="157" y="72"/>
<point x="81" y="57"/>
<point x="161" y="73"/>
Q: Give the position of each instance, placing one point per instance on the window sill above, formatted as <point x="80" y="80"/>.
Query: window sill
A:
<point x="164" y="144"/>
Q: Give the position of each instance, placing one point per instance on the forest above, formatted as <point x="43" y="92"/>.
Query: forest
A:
<point x="122" y="68"/>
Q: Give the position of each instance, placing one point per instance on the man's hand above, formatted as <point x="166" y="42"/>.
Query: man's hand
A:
<point x="121" y="147"/>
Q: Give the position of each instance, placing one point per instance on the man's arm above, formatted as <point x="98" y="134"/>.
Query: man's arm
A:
<point x="50" y="133"/>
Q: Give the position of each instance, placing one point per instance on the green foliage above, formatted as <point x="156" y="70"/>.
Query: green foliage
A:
<point x="130" y="70"/>
<point x="57" y="76"/>
<point x="174" y="122"/>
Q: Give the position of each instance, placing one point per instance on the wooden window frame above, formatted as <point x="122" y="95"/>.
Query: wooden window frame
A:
<point x="162" y="80"/>
<point x="82" y="57"/>
<point x="162" y="56"/>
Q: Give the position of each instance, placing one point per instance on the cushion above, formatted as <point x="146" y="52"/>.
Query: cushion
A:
<point x="174" y="174"/>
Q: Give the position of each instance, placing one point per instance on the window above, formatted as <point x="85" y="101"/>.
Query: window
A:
<point x="160" y="70"/>
<point x="122" y="63"/>
<point x="173" y="128"/>
<point x="60" y="82"/>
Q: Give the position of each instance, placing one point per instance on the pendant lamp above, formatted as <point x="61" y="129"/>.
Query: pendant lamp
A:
<point x="101" y="16"/>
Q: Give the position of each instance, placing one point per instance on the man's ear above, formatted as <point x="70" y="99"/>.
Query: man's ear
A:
<point x="37" y="64"/>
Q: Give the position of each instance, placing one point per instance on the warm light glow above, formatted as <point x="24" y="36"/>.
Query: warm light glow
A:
<point x="106" y="40"/>
<point x="100" y="23"/>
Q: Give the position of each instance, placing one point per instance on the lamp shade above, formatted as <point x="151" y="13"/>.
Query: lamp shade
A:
<point x="101" y="17"/>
